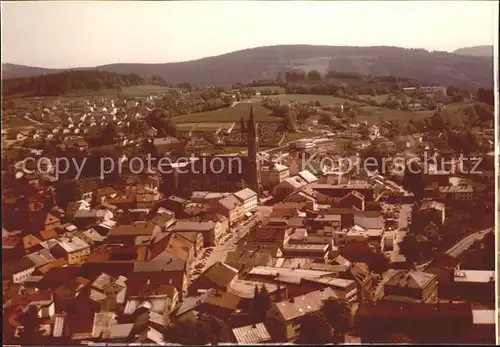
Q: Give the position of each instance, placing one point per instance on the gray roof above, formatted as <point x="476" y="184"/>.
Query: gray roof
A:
<point x="246" y="289"/>
<point x="245" y="194"/>
<point x="192" y="226"/>
<point x="300" y="305"/>
<point x="252" y="334"/>
<point x="41" y="257"/>
<point x="230" y="202"/>
<point x="220" y="274"/>
<point x="307" y="176"/>
<point x="426" y="205"/>
<point x="410" y="279"/>
<point x="154" y="303"/>
<point x="171" y="264"/>
<point x="367" y="222"/>
<point x="72" y="243"/>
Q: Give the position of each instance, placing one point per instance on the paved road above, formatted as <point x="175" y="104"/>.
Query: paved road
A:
<point x="32" y="120"/>
<point x="467" y="242"/>
<point x="205" y="260"/>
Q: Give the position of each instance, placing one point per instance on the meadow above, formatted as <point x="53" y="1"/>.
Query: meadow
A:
<point x="306" y="98"/>
<point x="230" y="114"/>
<point x="380" y="114"/>
<point x="278" y="89"/>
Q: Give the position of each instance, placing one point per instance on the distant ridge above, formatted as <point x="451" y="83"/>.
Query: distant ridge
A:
<point x="476" y="51"/>
<point x="266" y="62"/>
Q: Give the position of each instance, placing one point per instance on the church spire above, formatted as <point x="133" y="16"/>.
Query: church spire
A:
<point x="251" y="120"/>
<point x="253" y="150"/>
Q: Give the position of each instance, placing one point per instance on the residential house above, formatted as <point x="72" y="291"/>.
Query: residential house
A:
<point x="313" y="251"/>
<point x="339" y="191"/>
<point x="325" y="223"/>
<point x="71" y="248"/>
<point x="218" y="276"/>
<point x="415" y="285"/>
<point x="18" y="271"/>
<point x="163" y="220"/>
<point x="168" y="143"/>
<point x="270" y="235"/>
<point x="432" y="211"/>
<point x="283" y="318"/>
<point x="214" y="302"/>
<point x="290" y="275"/>
<point x="353" y="199"/>
<point x="252" y="334"/>
<point x="127" y="233"/>
<point x="194" y="238"/>
<point x="274" y="174"/>
<point x="108" y="291"/>
<point x="232" y="208"/>
<point x="249" y="199"/>
<point x="172" y="245"/>
<point x="344" y="289"/>
<point x="85" y="218"/>
<point x="41" y="257"/>
<point x="211" y="231"/>
<point x="245" y="290"/>
<point x="457" y="193"/>
<point x="288" y="186"/>
<point x="51" y="222"/>
<point x="246" y="259"/>
<point x="307" y="176"/>
<point x="171" y="271"/>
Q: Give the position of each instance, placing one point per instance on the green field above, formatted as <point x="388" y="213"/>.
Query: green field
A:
<point x="305" y="98"/>
<point x="229" y="114"/>
<point x="279" y="89"/>
<point x="384" y="114"/>
<point x="379" y="98"/>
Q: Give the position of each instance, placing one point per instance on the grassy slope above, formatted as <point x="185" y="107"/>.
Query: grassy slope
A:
<point x="229" y="114"/>
<point x="385" y="114"/>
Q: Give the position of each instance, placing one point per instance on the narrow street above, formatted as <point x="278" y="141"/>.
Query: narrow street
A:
<point x="211" y="255"/>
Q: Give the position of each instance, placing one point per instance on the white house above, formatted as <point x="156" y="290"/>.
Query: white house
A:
<point x="20" y="270"/>
<point x="249" y="199"/>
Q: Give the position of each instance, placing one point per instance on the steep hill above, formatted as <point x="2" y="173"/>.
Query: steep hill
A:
<point x="476" y="51"/>
<point x="265" y="62"/>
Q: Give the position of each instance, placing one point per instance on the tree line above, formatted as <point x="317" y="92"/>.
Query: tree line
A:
<point x="71" y="81"/>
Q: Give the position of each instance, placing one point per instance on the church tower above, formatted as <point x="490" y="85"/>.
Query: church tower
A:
<point x="253" y="150"/>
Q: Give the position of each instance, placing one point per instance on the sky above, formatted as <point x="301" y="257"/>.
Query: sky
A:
<point x="64" y="34"/>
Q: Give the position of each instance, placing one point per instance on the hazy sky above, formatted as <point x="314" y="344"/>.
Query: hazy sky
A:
<point x="70" y="34"/>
